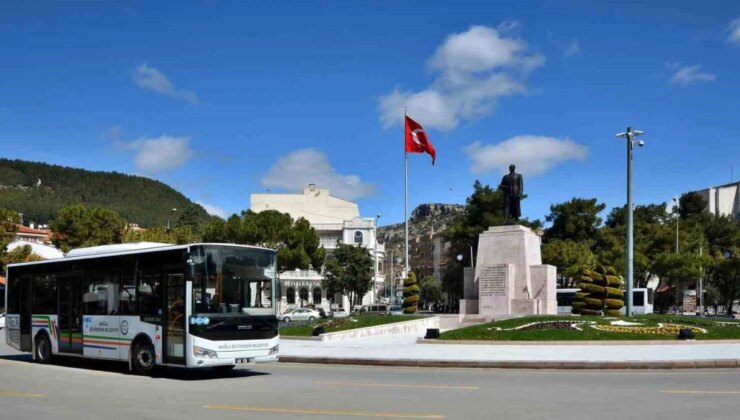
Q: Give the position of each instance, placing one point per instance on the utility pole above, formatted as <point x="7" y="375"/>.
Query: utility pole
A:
<point x="678" y="216"/>
<point x="393" y="281"/>
<point x="630" y="135"/>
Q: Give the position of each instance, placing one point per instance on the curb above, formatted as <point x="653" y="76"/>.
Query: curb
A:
<point x="657" y="364"/>
<point x="577" y="343"/>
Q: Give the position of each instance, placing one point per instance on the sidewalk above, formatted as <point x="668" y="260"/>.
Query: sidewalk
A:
<point x="403" y="350"/>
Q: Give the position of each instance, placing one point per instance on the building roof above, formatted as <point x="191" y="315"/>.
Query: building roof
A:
<point x="44" y="251"/>
<point x="315" y="204"/>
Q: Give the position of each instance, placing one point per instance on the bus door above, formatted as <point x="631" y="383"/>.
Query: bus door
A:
<point x="174" y="322"/>
<point x="70" y="313"/>
<point x="24" y="296"/>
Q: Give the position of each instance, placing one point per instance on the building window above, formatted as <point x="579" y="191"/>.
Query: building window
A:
<point x="358" y="237"/>
<point x="316" y="295"/>
<point x="303" y="294"/>
<point x="290" y="295"/>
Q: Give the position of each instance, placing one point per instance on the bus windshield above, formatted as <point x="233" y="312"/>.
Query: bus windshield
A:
<point x="232" y="281"/>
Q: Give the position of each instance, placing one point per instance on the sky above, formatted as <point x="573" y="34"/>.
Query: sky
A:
<point x="224" y="99"/>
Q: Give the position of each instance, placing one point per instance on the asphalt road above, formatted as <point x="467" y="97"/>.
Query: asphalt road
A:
<point x="92" y="390"/>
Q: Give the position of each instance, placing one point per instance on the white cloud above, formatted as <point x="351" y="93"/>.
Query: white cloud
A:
<point x="310" y="166"/>
<point x="150" y="78"/>
<point x="474" y="69"/>
<point x="214" y="210"/>
<point x="734" y="30"/>
<point x="160" y="154"/>
<point x="572" y="49"/>
<point x="532" y="155"/>
<point x="687" y="75"/>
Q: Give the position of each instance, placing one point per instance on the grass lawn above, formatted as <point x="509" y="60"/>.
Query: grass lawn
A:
<point x="343" y="324"/>
<point x="716" y="329"/>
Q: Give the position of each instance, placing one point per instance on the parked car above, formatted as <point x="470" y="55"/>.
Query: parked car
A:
<point x="2" y="320"/>
<point x="320" y="310"/>
<point x="303" y="314"/>
<point x="395" y="310"/>
<point x="339" y="313"/>
<point x="380" y="309"/>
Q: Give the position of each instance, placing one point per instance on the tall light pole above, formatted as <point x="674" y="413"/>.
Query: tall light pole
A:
<point x="168" y="219"/>
<point x="630" y="135"/>
<point x="675" y="200"/>
<point x="375" y="255"/>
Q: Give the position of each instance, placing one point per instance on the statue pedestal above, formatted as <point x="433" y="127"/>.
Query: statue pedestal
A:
<point x="509" y="276"/>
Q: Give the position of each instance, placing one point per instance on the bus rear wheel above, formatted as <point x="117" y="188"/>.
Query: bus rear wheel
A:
<point x="143" y="358"/>
<point x="43" y="349"/>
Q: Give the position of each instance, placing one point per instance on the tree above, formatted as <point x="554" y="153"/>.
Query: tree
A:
<point x="8" y="227"/>
<point x="691" y="204"/>
<point x="653" y="234"/>
<point x="21" y="254"/>
<point x="430" y="290"/>
<point x="570" y="258"/>
<point x="349" y="271"/>
<point x="80" y="226"/>
<point x="410" y="294"/>
<point x="576" y="220"/>
<point x="678" y="269"/>
<point x="297" y="242"/>
<point x="189" y="216"/>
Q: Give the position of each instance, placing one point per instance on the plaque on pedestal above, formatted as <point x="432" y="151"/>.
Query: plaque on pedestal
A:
<point x="495" y="289"/>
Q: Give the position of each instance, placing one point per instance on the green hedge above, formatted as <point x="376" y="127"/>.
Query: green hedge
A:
<point x="614" y="293"/>
<point x="581" y="295"/>
<point x="612" y="312"/>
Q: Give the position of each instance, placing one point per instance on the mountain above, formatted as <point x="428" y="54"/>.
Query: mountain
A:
<point x="39" y="190"/>
<point x="425" y="219"/>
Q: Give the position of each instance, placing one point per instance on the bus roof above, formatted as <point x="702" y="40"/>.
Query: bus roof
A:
<point x="112" y="251"/>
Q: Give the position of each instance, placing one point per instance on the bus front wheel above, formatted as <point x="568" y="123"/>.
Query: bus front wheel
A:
<point x="43" y="349"/>
<point x="143" y="358"/>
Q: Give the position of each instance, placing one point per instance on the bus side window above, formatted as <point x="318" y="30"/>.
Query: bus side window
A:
<point x="95" y="297"/>
<point x="44" y="294"/>
<point x="128" y="304"/>
<point x="150" y="294"/>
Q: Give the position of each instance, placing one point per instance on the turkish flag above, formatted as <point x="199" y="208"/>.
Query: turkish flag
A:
<point x="416" y="139"/>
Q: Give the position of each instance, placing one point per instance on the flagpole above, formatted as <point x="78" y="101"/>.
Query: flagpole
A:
<point x="406" y="197"/>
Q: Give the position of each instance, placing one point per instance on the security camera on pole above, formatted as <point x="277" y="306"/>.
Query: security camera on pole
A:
<point x="630" y="135"/>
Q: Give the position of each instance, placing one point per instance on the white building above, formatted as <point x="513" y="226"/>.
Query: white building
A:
<point x="336" y="221"/>
<point x="723" y="200"/>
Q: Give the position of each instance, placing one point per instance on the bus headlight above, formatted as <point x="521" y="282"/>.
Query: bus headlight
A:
<point x="275" y="350"/>
<point x="201" y="352"/>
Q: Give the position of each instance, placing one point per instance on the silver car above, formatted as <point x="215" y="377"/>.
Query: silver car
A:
<point x="303" y="314"/>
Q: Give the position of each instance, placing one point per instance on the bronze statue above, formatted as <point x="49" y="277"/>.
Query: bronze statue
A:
<point x="513" y="187"/>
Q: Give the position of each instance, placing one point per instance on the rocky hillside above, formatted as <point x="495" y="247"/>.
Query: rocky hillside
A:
<point x="425" y="219"/>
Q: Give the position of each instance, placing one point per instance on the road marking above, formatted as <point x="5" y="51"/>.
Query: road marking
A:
<point x="358" y="384"/>
<point x="488" y="371"/>
<point x="324" y="412"/>
<point x="19" y="394"/>
<point x="698" y="392"/>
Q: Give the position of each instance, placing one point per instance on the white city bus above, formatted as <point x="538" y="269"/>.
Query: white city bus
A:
<point x="196" y="305"/>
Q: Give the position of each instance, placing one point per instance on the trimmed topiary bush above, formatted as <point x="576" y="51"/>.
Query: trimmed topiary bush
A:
<point x="614" y="303"/>
<point x="599" y="294"/>
<point x="410" y="294"/>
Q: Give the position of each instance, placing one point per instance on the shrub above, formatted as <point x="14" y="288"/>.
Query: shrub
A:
<point x="614" y="293"/>
<point x="612" y="312"/>
<point x="590" y="312"/>
<point x="410" y="293"/>
<point x="592" y="289"/>
<point x="581" y="295"/>
<point x="613" y="303"/>
<point x="614" y="281"/>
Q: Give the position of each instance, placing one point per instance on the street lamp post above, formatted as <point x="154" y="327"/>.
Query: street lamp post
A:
<point x="675" y="200"/>
<point x="630" y="135"/>
<point x="375" y="255"/>
<point x="168" y="219"/>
